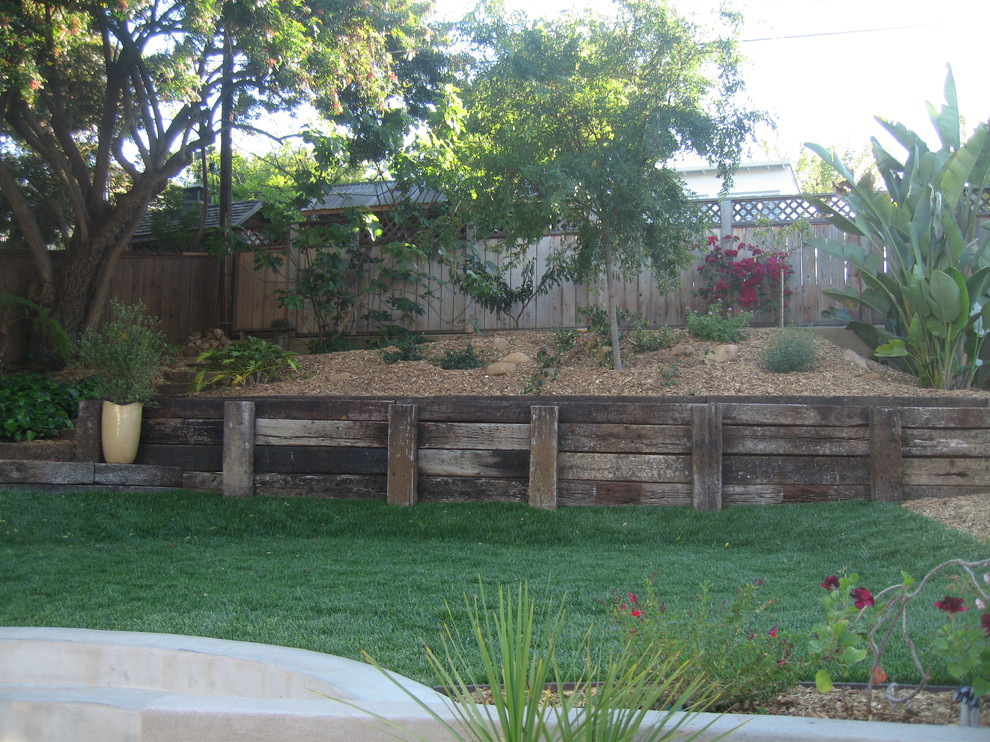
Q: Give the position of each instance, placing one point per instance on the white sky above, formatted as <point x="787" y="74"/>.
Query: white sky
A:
<point x="824" y="68"/>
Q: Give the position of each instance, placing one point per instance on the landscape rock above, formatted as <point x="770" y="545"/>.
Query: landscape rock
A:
<point x="856" y="359"/>
<point x="500" y="344"/>
<point x="500" y="369"/>
<point x="338" y="377"/>
<point x="517" y="358"/>
<point x="682" y="349"/>
<point x="725" y="353"/>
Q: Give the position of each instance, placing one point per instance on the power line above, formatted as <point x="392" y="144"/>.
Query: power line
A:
<point x="838" y="33"/>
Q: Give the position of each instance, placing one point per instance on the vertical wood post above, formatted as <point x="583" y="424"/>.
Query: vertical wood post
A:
<point x="403" y="464"/>
<point x="706" y="456"/>
<point x="725" y="217"/>
<point x="886" y="458"/>
<point x="543" y="436"/>
<point x="88" y="431"/>
<point x="238" y="449"/>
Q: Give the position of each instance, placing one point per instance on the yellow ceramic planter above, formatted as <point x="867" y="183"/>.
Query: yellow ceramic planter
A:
<point x="121" y="432"/>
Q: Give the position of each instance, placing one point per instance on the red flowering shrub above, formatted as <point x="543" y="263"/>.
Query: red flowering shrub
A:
<point x="750" y="283"/>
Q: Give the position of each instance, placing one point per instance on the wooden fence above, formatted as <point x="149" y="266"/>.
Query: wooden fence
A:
<point x="548" y="451"/>
<point x="754" y="221"/>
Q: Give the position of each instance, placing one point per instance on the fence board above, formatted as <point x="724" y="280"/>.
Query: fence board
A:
<point x="813" y="440"/>
<point x="615" y="438"/>
<point x="577" y="492"/>
<point x="320" y="433"/>
<point x="483" y="436"/>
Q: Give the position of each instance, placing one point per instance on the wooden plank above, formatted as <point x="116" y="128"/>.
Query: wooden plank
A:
<point x="46" y="472"/>
<point x="323" y="408"/>
<point x="977" y="417"/>
<point x="947" y="442"/>
<point x="323" y="486"/>
<point x="467" y="463"/>
<point x="139" y="476"/>
<point x="360" y="433"/>
<point x="182" y="431"/>
<point x="706" y="457"/>
<point x="801" y="440"/>
<point x="576" y="492"/>
<point x="205" y="408"/>
<point x="886" y="461"/>
<point x="44" y="449"/>
<point x="238" y="449"/>
<point x="188" y="458"/>
<point x="793" y="414"/>
<point x="403" y="469"/>
<point x="949" y="471"/>
<point x="87" y="433"/>
<point x="840" y="470"/>
<point x="752" y="494"/>
<point x="812" y="493"/>
<point x="624" y="411"/>
<point x="543" y="454"/>
<point x="202" y="481"/>
<point x="478" y="489"/>
<point x="483" y="436"/>
<point x="625" y="467"/>
<point x="619" y="438"/>
<point x="320" y="460"/>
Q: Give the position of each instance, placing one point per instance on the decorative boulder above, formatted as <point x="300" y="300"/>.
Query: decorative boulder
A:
<point x="725" y="353"/>
<point x="517" y="358"/>
<point x="500" y="369"/>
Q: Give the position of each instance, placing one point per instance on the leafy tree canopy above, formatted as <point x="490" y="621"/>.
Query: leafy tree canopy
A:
<point x="575" y="120"/>
<point x="133" y="86"/>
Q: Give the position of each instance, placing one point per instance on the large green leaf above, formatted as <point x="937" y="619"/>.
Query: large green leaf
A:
<point x="960" y="168"/>
<point x="947" y="121"/>
<point x="892" y="349"/>
<point x="946" y="297"/>
<point x="978" y="285"/>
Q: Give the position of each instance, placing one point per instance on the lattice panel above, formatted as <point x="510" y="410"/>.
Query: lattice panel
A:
<point x="257" y="238"/>
<point x="783" y="210"/>
<point x="711" y="212"/>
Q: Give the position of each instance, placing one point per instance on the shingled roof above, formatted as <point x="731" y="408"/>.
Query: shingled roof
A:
<point x="240" y="212"/>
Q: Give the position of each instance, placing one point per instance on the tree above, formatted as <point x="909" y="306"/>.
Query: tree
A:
<point x="90" y="87"/>
<point x="575" y="120"/>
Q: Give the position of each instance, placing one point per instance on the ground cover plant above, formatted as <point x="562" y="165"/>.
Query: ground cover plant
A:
<point x="350" y="576"/>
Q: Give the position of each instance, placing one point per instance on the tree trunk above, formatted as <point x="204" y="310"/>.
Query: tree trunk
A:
<point x="613" y="314"/>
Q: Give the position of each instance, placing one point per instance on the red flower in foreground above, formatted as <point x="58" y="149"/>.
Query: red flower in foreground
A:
<point x="636" y="613"/>
<point x="985" y="622"/>
<point x="773" y="632"/>
<point x="632" y="597"/>
<point x="862" y="596"/>
<point x="831" y="582"/>
<point x="950" y="604"/>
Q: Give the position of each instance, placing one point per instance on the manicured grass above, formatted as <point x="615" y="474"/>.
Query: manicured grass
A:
<point x="341" y="576"/>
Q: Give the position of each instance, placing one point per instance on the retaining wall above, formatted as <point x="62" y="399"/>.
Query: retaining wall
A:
<point x="548" y="451"/>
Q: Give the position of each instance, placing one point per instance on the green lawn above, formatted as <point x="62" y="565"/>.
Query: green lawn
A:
<point x="341" y="576"/>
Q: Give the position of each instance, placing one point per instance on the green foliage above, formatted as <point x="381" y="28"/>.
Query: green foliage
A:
<point x="519" y="648"/>
<point x="859" y="624"/>
<point x="645" y="340"/>
<point x="790" y="350"/>
<point x="248" y="361"/>
<point x="564" y="339"/>
<point x="565" y="126"/>
<point x="342" y="266"/>
<point x="463" y="358"/>
<point x="713" y="326"/>
<point x="744" y="656"/>
<point x="43" y="324"/>
<point x="32" y="406"/>
<point x="925" y="265"/>
<point x="404" y="348"/>
<point x="125" y="355"/>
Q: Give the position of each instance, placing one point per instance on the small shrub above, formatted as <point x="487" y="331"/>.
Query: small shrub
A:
<point x="647" y="341"/>
<point x="405" y="348"/>
<point x="32" y="406"/>
<point x="243" y="362"/>
<point x="460" y="358"/>
<point x="125" y="355"/>
<point x="790" y="350"/>
<point x="331" y="343"/>
<point x="716" y="328"/>
<point x="745" y="657"/>
<point x="563" y="339"/>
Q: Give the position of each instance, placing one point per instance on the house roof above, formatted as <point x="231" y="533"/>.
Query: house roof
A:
<point x="373" y="195"/>
<point x="240" y="212"/>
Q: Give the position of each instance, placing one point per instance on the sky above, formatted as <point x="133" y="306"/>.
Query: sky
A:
<point x="823" y="69"/>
